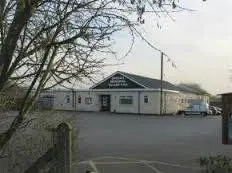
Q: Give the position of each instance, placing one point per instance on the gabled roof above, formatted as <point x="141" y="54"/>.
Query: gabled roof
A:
<point x="144" y="82"/>
<point x="103" y="82"/>
<point x="149" y="82"/>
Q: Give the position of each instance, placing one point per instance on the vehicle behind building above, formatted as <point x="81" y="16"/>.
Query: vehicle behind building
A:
<point x="197" y="107"/>
<point x="215" y="110"/>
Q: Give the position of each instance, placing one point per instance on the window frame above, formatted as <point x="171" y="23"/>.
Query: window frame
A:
<point x="145" y="99"/>
<point x="68" y="99"/>
<point x="126" y="100"/>
<point x="79" y="99"/>
<point x="88" y="100"/>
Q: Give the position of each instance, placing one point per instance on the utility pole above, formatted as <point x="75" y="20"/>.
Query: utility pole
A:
<point x="161" y="84"/>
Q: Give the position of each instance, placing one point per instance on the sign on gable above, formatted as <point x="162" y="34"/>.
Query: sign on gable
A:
<point x="118" y="81"/>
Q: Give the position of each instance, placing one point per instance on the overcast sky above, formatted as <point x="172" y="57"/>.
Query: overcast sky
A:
<point x="198" y="42"/>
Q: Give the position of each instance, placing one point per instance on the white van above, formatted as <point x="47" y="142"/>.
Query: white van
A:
<point x="197" y="107"/>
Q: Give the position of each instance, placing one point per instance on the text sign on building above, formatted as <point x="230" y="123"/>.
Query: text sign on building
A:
<point x="117" y="81"/>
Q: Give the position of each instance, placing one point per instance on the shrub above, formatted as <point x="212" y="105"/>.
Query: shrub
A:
<point x="216" y="164"/>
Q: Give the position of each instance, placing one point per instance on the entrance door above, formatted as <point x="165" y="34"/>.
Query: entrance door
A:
<point x="105" y="102"/>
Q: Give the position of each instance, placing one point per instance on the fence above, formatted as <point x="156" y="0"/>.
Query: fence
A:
<point x="58" y="158"/>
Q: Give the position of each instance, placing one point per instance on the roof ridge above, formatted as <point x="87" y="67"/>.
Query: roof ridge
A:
<point x="146" y="82"/>
<point x="140" y="76"/>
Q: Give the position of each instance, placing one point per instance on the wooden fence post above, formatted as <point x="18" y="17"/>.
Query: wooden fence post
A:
<point x="62" y="149"/>
<point x="58" y="158"/>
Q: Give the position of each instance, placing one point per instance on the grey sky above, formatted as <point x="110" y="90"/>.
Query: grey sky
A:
<point x="199" y="43"/>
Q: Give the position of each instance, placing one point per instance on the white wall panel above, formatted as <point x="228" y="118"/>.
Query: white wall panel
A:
<point x="94" y="106"/>
<point x="172" y="101"/>
<point x="61" y="100"/>
<point x="124" y="108"/>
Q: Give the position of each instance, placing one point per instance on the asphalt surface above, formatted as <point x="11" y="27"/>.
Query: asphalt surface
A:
<point x="111" y="143"/>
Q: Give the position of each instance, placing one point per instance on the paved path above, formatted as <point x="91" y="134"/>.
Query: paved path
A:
<point x="148" y="143"/>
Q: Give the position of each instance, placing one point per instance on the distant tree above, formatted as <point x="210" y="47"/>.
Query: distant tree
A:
<point x="194" y="86"/>
<point x="45" y="43"/>
<point x="11" y="97"/>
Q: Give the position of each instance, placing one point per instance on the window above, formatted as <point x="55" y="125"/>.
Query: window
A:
<point x="126" y="100"/>
<point x="67" y="99"/>
<point x="145" y="99"/>
<point x="88" y="100"/>
<point x="48" y="96"/>
<point x="79" y="99"/>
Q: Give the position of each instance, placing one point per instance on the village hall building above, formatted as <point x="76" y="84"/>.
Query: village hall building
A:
<point x="122" y="92"/>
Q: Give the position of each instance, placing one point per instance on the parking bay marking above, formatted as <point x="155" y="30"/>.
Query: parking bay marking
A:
<point x="152" y="167"/>
<point x="93" y="165"/>
<point x="138" y="162"/>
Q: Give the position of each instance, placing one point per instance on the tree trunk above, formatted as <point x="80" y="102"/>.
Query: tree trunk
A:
<point x="5" y="137"/>
<point x="22" y="14"/>
<point x="21" y="17"/>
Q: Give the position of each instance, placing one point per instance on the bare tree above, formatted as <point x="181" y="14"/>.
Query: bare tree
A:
<point x="45" y="43"/>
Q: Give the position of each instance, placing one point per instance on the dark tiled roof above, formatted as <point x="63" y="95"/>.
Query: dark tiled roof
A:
<point x="150" y="82"/>
<point x="229" y="93"/>
<point x="187" y="89"/>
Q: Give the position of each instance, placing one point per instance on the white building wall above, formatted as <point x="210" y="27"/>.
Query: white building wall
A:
<point x="187" y="97"/>
<point x="205" y="98"/>
<point x="124" y="108"/>
<point x="83" y="106"/>
<point x="153" y="105"/>
<point x="172" y="102"/>
<point x="63" y="100"/>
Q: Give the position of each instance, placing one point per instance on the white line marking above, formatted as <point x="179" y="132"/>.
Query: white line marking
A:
<point x="139" y="162"/>
<point x="133" y="161"/>
<point x="108" y="163"/>
<point x="152" y="167"/>
<point x="91" y="163"/>
<point x="173" y="165"/>
<point x="80" y="163"/>
<point x="117" y="163"/>
<point x="111" y="157"/>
